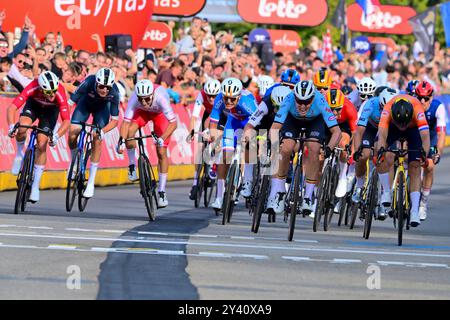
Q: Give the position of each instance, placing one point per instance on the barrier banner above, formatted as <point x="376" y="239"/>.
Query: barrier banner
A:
<point x="58" y="158"/>
<point x="445" y="99"/>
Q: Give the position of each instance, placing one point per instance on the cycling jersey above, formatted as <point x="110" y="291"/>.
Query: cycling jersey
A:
<point x="371" y="113"/>
<point x="243" y="110"/>
<point x="436" y="120"/>
<point x="263" y="117"/>
<point x="86" y="94"/>
<point x="319" y="107"/>
<point x="418" y="120"/>
<point x="34" y="94"/>
<point x="348" y="116"/>
<point x="160" y="105"/>
<point x="202" y="100"/>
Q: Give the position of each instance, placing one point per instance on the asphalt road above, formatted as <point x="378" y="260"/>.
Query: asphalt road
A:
<point x="112" y="252"/>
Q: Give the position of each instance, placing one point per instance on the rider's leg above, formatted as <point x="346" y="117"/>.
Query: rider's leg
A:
<point x="342" y="185"/>
<point x="312" y="166"/>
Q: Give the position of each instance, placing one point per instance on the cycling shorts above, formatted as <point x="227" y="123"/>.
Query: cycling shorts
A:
<point x="345" y="128"/>
<point x="315" y="129"/>
<point x="233" y="131"/>
<point x="413" y="138"/>
<point x="370" y="136"/>
<point x="48" y="116"/>
<point x="160" y="122"/>
<point x="100" y="116"/>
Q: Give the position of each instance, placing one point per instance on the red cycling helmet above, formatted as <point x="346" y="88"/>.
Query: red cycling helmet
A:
<point x="424" y="89"/>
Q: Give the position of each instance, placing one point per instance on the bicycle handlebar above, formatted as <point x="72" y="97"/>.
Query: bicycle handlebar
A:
<point x="48" y="133"/>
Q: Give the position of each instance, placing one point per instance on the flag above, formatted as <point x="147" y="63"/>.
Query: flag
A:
<point x="423" y="27"/>
<point x="445" y="14"/>
<point x="368" y="6"/>
<point x="327" y="49"/>
<point x="339" y="20"/>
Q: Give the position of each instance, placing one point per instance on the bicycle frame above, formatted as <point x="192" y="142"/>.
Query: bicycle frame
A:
<point x="400" y="160"/>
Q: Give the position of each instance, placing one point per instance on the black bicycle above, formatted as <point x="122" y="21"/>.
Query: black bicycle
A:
<point x="26" y="174"/>
<point x="76" y="178"/>
<point x="147" y="179"/>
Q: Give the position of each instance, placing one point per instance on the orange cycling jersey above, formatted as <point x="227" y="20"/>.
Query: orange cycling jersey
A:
<point x="418" y="120"/>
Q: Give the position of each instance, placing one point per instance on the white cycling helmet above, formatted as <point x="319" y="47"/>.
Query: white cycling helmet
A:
<point x="48" y="81"/>
<point x="144" y="88"/>
<point x="304" y="90"/>
<point x="231" y="87"/>
<point x="264" y="83"/>
<point x="105" y="76"/>
<point x="212" y="87"/>
<point x="386" y="95"/>
<point x="279" y="94"/>
<point x="366" y="86"/>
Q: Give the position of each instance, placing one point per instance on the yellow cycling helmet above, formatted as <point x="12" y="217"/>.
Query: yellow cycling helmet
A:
<point x="322" y="79"/>
<point x="335" y="98"/>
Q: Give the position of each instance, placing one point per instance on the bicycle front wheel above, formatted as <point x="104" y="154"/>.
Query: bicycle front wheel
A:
<point x="297" y="203"/>
<point x="82" y="182"/>
<point x="400" y="207"/>
<point x="22" y="181"/>
<point x="372" y="204"/>
<point x="321" y="199"/>
<point x="200" y="186"/>
<point x="146" y="186"/>
<point x="260" y="204"/>
<point x="72" y="184"/>
<point x="228" y="199"/>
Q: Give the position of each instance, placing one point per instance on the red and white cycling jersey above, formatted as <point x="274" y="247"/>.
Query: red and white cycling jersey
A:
<point x="33" y="91"/>
<point x="160" y="104"/>
<point x="202" y="100"/>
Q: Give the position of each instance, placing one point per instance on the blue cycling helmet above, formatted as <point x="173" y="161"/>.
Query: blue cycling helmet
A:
<point x="411" y="87"/>
<point x="290" y="76"/>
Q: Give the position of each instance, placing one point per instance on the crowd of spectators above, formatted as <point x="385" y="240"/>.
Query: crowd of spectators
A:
<point x="196" y="54"/>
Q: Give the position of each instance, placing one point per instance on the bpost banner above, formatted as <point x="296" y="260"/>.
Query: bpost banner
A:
<point x="58" y="158"/>
<point x="80" y="21"/>
<point x="381" y="19"/>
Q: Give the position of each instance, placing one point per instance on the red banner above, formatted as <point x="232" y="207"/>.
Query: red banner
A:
<point x="382" y="19"/>
<point x="78" y="20"/>
<point x="286" y="12"/>
<point x="58" y="158"/>
<point x="157" y="36"/>
<point x="284" y="40"/>
<point x="179" y="8"/>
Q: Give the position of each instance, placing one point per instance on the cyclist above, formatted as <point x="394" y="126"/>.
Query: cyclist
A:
<point x="149" y="103"/>
<point x="411" y="87"/>
<point x="43" y="99"/>
<point x="97" y="95"/>
<point x="262" y="119"/>
<point x="322" y="81"/>
<point x="404" y="117"/>
<point x="347" y="118"/>
<point x="365" y="138"/>
<point x="366" y="90"/>
<point x="204" y="99"/>
<point x="238" y="106"/>
<point x="435" y="114"/>
<point x="304" y="108"/>
<point x="264" y="82"/>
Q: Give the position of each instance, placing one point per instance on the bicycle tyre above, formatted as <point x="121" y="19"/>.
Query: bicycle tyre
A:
<point x="212" y="189"/>
<point x="331" y="196"/>
<point x="260" y="204"/>
<point x="353" y="214"/>
<point x="21" y="183"/>
<point x="144" y="185"/>
<point x="28" y="182"/>
<point x="200" y="186"/>
<point x="82" y="182"/>
<point x="72" y="184"/>
<point x="298" y="197"/>
<point x="228" y="199"/>
<point x="401" y="208"/>
<point x="372" y="196"/>
<point x="321" y="199"/>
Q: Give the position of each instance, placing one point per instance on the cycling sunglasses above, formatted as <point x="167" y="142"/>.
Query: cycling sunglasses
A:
<point x="337" y="110"/>
<point x="424" y="98"/>
<point x="211" y="97"/>
<point x="230" y="99"/>
<point x="287" y="84"/>
<point x="49" y="92"/>
<point x="365" y="96"/>
<point x="304" y="102"/>
<point x="146" y="99"/>
<point x="322" y="88"/>
<point x="101" y="87"/>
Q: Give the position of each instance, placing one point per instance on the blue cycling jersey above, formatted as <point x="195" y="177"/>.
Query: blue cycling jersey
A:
<point x="86" y="94"/>
<point x="319" y="107"/>
<point x="371" y="113"/>
<point x="243" y="110"/>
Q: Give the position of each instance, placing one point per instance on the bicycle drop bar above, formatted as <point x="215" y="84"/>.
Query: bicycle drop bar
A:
<point x="34" y="128"/>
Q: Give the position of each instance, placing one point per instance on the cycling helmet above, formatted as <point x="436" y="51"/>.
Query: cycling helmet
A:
<point x="231" y="87"/>
<point x="335" y="98"/>
<point x="105" y="76"/>
<point x="278" y="95"/>
<point x="424" y="89"/>
<point x="322" y="79"/>
<point x="290" y="76"/>
<point x="346" y="90"/>
<point x="379" y="89"/>
<point x="48" y="81"/>
<point x="402" y="112"/>
<point x="144" y="88"/>
<point x="366" y="86"/>
<point x="411" y="87"/>
<point x="264" y="83"/>
<point x="304" y="90"/>
<point x="212" y="87"/>
<point x="386" y="95"/>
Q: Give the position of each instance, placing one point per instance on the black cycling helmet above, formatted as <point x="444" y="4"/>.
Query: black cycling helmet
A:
<point x="346" y="90"/>
<point x="402" y="112"/>
<point x="379" y="89"/>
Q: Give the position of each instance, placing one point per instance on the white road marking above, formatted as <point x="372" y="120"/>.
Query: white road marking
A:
<point x="343" y="261"/>
<point x="153" y="233"/>
<point x="242" y="238"/>
<point x="62" y="246"/>
<point x="297" y="258"/>
<point x="41" y="228"/>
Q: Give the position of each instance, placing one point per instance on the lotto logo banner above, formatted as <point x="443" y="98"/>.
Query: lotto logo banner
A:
<point x="58" y="158"/>
<point x="179" y="8"/>
<point x="79" y="20"/>
<point x="284" y="12"/>
<point x="380" y="19"/>
<point x="157" y="36"/>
